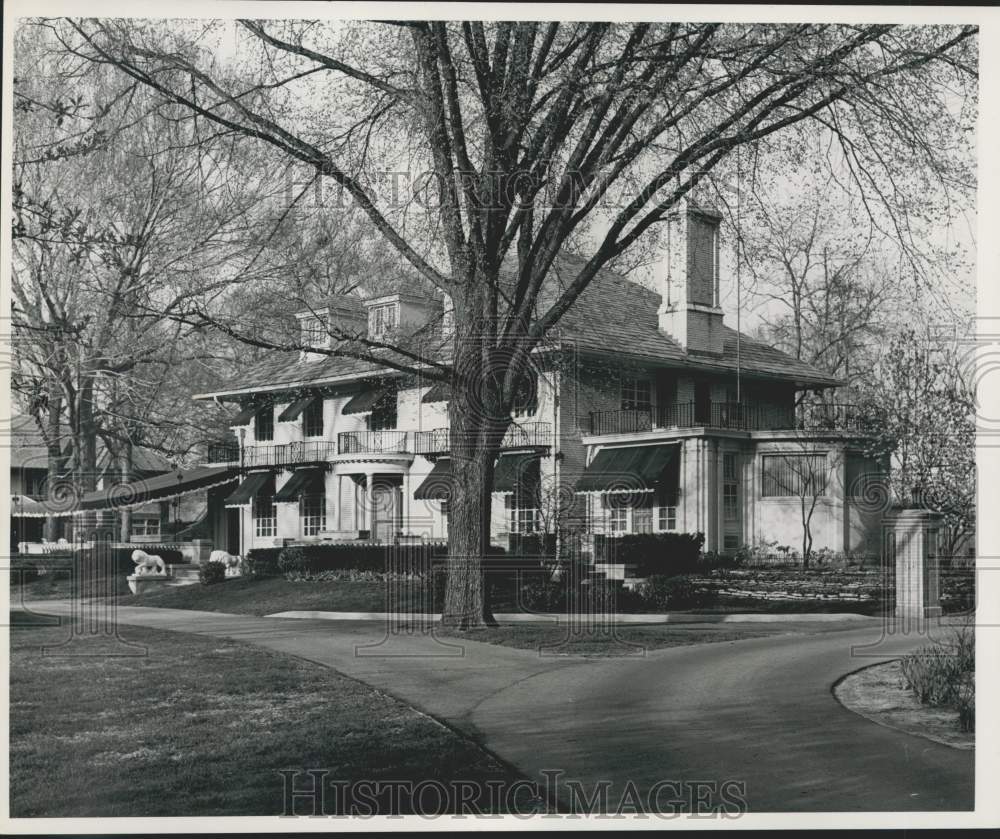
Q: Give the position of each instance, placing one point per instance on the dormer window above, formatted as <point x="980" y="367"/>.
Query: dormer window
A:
<point x="313" y="332"/>
<point x="382" y="319"/>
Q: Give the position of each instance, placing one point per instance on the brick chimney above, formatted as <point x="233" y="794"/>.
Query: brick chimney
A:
<point x="690" y="312"/>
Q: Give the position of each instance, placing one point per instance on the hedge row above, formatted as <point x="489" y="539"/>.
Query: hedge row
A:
<point x="305" y="560"/>
<point x="651" y="554"/>
<point x="88" y="562"/>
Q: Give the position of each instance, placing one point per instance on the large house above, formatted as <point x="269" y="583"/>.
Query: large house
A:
<point x="645" y="412"/>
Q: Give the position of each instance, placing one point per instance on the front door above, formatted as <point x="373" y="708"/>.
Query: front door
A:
<point x="232" y="530"/>
<point x="387" y="511"/>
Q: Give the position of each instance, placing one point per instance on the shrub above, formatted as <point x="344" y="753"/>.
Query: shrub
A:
<point x="292" y="563"/>
<point x="261" y="562"/>
<point x="652" y="553"/>
<point x="677" y="592"/>
<point x="943" y="674"/>
<point x="210" y="573"/>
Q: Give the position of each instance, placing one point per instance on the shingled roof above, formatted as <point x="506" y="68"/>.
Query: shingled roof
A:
<point x="28" y="451"/>
<point x="613" y="316"/>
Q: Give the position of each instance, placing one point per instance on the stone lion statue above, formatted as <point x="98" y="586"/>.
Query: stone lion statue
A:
<point x="148" y="564"/>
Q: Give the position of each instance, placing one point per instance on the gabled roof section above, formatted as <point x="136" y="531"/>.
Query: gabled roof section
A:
<point x="613" y="316"/>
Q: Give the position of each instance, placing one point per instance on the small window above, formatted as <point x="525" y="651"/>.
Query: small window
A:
<point x="312" y="419"/>
<point x="667" y="517"/>
<point x="382" y="319"/>
<point x="265" y="516"/>
<point x="636" y="394"/>
<point x="312" y="513"/>
<point x="618" y="520"/>
<point x="313" y="333"/>
<point x="793" y="475"/>
<point x="264" y="424"/>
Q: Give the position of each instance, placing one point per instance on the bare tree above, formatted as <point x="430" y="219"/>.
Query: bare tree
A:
<point x="535" y="139"/>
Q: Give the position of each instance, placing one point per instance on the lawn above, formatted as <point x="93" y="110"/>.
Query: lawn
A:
<point x="201" y="727"/>
<point x="629" y="639"/>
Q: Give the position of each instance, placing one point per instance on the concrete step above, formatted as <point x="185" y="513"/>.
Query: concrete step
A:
<point x="183" y="575"/>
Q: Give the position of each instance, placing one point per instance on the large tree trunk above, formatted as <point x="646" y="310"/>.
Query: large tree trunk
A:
<point x="477" y="428"/>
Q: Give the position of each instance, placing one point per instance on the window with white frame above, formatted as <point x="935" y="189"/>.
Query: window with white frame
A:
<point x="520" y="519"/>
<point x="312" y="419"/>
<point x="313" y="332"/>
<point x="312" y="513"/>
<point x="636" y="393"/>
<point x="618" y="519"/>
<point x="793" y="475"/>
<point x="382" y="319"/>
<point x="666" y="517"/>
<point x="730" y="488"/>
<point x="263" y="424"/>
<point x="265" y="516"/>
<point x="145" y="525"/>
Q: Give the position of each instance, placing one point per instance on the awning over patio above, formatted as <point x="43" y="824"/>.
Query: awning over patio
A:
<point x="161" y="488"/>
<point x="513" y="469"/>
<point x="294" y="411"/>
<point x="627" y="468"/>
<point x="441" y="392"/>
<point x="256" y="483"/>
<point x="22" y="506"/>
<point x="302" y="482"/>
<point x="437" y="485"/>
<point x="248" y="413"/>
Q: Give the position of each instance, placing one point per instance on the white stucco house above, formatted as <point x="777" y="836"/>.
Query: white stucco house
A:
<point x="646" y="412"/>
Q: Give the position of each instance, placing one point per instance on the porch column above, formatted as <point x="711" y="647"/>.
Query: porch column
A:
<point x="370" y="503"/>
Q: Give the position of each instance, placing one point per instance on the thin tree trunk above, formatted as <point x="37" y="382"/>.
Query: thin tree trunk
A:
<point x="53" y="524"/>
<point x="126" y="459"/>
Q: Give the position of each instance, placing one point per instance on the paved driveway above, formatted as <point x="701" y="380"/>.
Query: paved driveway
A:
<point x="758" y="712"/>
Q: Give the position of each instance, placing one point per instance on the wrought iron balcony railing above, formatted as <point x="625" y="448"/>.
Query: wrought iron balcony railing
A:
<point x="288" y="454"/>
<point x="732" y="416"/>
<point x="374" y="442"/>
<point x="220" y="453"/>
<point x="528" y="434"/>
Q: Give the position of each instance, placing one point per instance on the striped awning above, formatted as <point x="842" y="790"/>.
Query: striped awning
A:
<point x="294" y="411"/>
<point x="627" y="469"/>
<point x="160" y="488"/>
<point x="256" y="483"/>
<point x="437" y="485"/>
<point x="302" y="482"/>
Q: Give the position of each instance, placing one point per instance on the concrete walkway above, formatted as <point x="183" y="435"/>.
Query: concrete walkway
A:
<point x="759" y="712"/>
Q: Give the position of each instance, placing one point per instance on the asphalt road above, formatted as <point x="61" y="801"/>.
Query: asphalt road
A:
<point x="751" y="721"/>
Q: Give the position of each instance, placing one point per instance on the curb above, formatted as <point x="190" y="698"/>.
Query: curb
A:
<point x="526" y="617"/>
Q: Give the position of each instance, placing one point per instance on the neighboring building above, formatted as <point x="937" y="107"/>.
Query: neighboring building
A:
<point x="29" y="478"/>
<point x="656" y="413"/>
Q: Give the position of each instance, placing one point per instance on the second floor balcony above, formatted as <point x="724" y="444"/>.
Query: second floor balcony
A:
<point x="731" y="416"/>
<point x="392" y="441"/>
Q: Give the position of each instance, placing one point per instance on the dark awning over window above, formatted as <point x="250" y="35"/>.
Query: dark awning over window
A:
<point x="512" y="470"/>
<point x="294" y="411"/>
<point x="627" y="469"/>
<point x="247" y="414"/>
<point x="160" y="488"/>
<point x="437" y="485"/>
<point x="302" y="482"/>
<point x="441" y="392"/>
<point x="256" y="483"/>
<point x="363" y="403"/>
